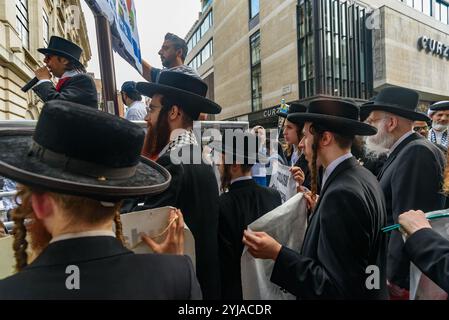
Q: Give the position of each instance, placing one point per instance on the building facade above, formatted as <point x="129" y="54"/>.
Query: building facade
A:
<point x="25" y="26"/>
<point x="267" y="50"/>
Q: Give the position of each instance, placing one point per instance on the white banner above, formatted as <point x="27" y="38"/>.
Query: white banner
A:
<point x="287" y="224"/>
<point x="282" y="180"/>
<point x="123" y="21"/>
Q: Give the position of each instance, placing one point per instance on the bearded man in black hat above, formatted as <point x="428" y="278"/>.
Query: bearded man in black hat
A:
<point x="343" y="242"/>
<point x="177" y="101"/>
<point x="439" y="113"/>
<point x="245" y="202"/>
<point x="72" y="184"/>
<point x="62" y="59"/>
<point x="412" y="175"/>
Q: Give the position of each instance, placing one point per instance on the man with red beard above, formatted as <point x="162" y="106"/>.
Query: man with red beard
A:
<point x="72" y="183"/>
<point x="178" y="100"/>
<point x="412" y="175"/>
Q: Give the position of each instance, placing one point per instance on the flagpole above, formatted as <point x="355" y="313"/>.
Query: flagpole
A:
<point x="107" y="68"/>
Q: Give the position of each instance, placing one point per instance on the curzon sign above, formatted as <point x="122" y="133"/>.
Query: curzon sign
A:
<point x="433" y="46"/>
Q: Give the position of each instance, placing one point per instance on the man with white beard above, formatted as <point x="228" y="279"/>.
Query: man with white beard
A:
<point x="439" y="113"/>
<point x="412" y="175"/>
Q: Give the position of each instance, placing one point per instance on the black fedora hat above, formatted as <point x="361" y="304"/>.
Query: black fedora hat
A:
<point x="190" y="92"/>
<point x="81" y="151"/>
<point x="440" y="106"/>
<point x="294" y="108"/>
<point x="63" y="48"/>
<point x="240" y="147"/>
<point x="400" y="101"/>
<point x="337" y="116"/>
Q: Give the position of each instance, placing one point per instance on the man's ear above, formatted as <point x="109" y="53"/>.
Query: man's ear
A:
<point x="42" y="204"/>
<point x="326" y="138"/>
<point x="393" y="123"/>
<point x="174" y="113"/>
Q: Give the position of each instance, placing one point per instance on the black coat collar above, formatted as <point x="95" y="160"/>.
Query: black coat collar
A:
<point x="242" y="184"/>
<point x="79" y="250"/>
<point x="396" y="151"/>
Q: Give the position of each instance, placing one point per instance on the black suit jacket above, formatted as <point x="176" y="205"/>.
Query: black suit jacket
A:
<point x="411" y="178"/>
<point x="107" y="271"/>
<point x="245" y="202"/>
<point x="429" y="251"/>
<point x="343" y="239"/>
<point x="194" y="190"/>
<point x="78" y="89"/>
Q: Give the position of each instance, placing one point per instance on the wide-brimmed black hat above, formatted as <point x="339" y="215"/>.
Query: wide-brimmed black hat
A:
<point x="81" y="151"/>
<point x="240" y="148"/>
<point x="400" y="101"/>
<point x="335" y="115"/>
<point x="63" y="48"/>
<point x="439" y="106"/>
<point x="187" y="91"/>
<point x="294" y="108"/>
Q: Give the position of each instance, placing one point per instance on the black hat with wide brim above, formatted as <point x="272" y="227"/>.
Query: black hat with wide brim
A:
<point x="187" y="91"/>
<point x="294" y="108"/>
<point x="399" y="101"/>
<point x="335" y="115"/>
<point x="63" y="48"/>
<point x="81" y="151"/>
<point x="440" y="106"/>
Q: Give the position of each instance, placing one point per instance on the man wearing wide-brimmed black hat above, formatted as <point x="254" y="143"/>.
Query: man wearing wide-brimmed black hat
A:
<point x="177" y="101"/>
<point x="245" y="202"/>
<point x="412" y="175"/>
<point x="62" y="59"/>
<point x="72" y="183"/>
<point x="439" y="113"/>
<point x="344" y="239"/>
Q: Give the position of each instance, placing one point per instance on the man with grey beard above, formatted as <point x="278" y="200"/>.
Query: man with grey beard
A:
<point x="411" y="177"/>
<point x="439" y="113"/>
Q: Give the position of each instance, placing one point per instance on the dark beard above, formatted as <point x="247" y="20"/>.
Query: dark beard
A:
<point x="39" y="236"/>
<point x="157" y="137"/>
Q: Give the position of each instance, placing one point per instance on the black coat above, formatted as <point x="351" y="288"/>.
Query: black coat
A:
<point x="194" y="190"/>
<point x="429" y="251"/>
<point x="107" y="271"/>
<point x="343" y="238"/>
<point x="245" y="202"/>
<point x="411" y="178"/>
<point x="78" y="89"/>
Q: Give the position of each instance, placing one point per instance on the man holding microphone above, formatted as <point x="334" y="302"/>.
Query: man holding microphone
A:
<point x="62" y="60"/>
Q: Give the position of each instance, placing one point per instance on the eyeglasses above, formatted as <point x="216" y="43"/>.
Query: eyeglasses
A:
<point x="152" y="108"/>
<point x="416" y="129"/>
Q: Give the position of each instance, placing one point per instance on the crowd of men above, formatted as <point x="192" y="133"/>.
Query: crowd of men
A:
<point x="81" y="168"/>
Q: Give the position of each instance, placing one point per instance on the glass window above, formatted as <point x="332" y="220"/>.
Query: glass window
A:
<point x="437" y="11"/>
<point x="417" y="4"/>
<point x="255" y="48"/>
<point x="256" y="72"/>
<point x="254" y="8"/>
<point x="427" y="4"/>
<point x="46" y="27"/>
<point x="22" y="21"/>
<point x="443" y="13"/>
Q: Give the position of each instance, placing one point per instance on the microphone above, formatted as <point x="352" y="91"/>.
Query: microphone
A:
<point x="30" y="84"/>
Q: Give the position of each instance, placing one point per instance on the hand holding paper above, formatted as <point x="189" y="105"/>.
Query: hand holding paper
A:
<point x="261" y="245"/>
<point x="174" y="240"/>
